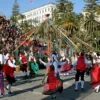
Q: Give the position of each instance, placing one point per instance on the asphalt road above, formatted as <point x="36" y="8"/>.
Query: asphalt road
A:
<point x="31" y="89"/>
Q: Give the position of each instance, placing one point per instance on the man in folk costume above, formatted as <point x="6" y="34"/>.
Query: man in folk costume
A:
<point x="23" y="61"/>
<point x="95" y="73"/>
<point x="80" y="64"/>
<point x="54" y="83"/>
<point x="9" y="68"/>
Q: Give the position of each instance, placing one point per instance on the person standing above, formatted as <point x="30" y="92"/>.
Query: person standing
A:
<point x="95" y="72"/>
<point x="33" y="66"/>
<point x="80" y="66"/>
<point x="9" y="68"/>
<point x="23" y="61"/>
<point x="54" y="83"/>
<point x="66" y="67"/>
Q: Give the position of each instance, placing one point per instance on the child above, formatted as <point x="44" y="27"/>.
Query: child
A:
<point x="1" y="81"/>
<point x="9" y="71"/>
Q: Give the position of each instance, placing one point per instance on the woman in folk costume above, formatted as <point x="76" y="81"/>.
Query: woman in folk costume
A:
<point x="95" y="73"/>
<point x="23" y="61"/>
<point x="33" y="66"/>
<point x="80" y="66"/>
<point x="66" y="67"/>
<point x="9" y="68"/>
<point x="54" y="83"/>
<point x="2" y="92"/>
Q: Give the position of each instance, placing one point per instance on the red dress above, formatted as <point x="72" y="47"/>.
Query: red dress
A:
<point x="23" y="63"/>
<point x="8" y="70"/>
<point x="54" y="84"/>
<point x="95" y="75"/>
<point x="66" y="67"/>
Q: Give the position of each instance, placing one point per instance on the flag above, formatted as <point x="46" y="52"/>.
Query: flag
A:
<point x="31" y="1"/>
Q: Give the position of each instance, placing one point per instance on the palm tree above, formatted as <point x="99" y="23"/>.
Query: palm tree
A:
<point x="21" y="19"/>
<point x="98" y="10"/>
<point x="13" y="19"/>
<point x="26" y="26"/>
<point x="61" y="13"/>
<point x="90" y="23"/>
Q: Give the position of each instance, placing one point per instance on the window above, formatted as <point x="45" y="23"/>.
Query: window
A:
<point x="48" y="9"/>
<point x="45" y="10"/>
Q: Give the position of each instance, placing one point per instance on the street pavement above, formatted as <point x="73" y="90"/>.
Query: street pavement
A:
<point x="31" y="89"/>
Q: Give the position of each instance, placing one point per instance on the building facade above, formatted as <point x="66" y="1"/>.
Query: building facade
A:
<point x="38" y="14"/>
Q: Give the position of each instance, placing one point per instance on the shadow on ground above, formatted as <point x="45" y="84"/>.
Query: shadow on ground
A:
<point x="70" y="94"/>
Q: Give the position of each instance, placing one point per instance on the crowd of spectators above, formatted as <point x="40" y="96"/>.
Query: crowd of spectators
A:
<point x="9" y="35"/>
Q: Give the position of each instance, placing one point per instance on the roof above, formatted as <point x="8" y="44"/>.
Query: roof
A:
<point x="41" y="6"/>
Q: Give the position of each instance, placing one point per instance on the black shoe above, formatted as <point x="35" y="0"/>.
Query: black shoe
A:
<point x="82" y="89"/>
<point x="53" y="97"/>
<point x="76" y="90"/>
<point x="10" y="93"/>
<point x="26" y="77"/>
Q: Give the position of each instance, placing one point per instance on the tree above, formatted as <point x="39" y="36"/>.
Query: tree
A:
<point x="91" y="5"/>
<point x="62" y="12"/>
<point x="15" y="11"/>
<point x="98" y="10"/>
<point x="91" y="25"/>
<point x="21" y="18"/>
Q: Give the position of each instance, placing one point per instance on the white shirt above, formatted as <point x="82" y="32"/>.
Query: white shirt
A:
<point x="11" y="64"/>
<point x="55" y="64"/>
<point x="31" y="57"/>
<point x="2" y="58"/>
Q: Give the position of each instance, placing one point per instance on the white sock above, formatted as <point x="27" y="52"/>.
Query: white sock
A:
<point x="25" y="73"/>
<point x="82" y="84"/>
<point x="97" y="88"/>
<point x="76" y="85"/>
<point x="0" y="91"/>
<point x="9" y="87"/>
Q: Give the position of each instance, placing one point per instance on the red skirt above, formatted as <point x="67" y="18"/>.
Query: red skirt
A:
<point x="95" y="76"/>
<point x="65" y="68"/>
<point x="53" y="85"/>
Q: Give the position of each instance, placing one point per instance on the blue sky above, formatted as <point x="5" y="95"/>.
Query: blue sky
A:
<point x="25" y="5"/>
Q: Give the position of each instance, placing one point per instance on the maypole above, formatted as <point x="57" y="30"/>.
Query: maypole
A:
<point x="79" y="40"/>
<point x="48" y="34"/>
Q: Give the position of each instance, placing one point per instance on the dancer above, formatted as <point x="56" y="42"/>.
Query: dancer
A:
<point x="23" y="61"/>
<point x="95" y="73"/>
<point x="54" y="83"/>
<point x="66" y="67"/>
<point x="9" y="68"/>
<point x="80" y="64"/>
<point x="33" y="66"/>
